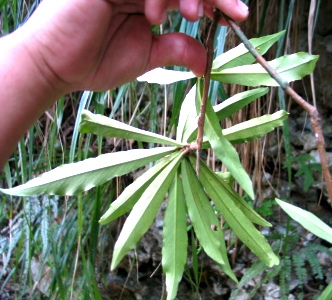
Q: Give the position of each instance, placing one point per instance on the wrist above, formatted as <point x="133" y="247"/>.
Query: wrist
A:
<point x="29" y="52"/>
<point x="26" y="92"/>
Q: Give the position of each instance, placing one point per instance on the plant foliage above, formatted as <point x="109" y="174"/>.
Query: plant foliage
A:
<point x="174" y="173"/>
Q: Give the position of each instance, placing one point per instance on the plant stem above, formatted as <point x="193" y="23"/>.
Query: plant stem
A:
<point x="312" y="110"/>
<point x="210" y="51"/>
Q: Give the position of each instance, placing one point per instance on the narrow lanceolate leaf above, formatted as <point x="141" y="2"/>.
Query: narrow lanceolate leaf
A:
<point x="144" y="211"/>
<point x="163" y="76"/>
<point x="78" y="177"/>
<point x="188" y="117"/>
<point x="240" y="55"/>
<point x="134" y="191"/>
<point x="308" y="220"/>
<point x="239" y="223"/>
<point x="104" y="126"/>
<point x="222" y="147"/>
<point x="233" y="104"/>
<point x="227" y="191"/>
<point x="327" y="293"/>
<point x="254" y="128"/>
<point x="223" y="110"/>
<point x="203" y="218"/>
<point x="289" y="67"/>
<point x="251" y="130"/>
<point x="175" y="238"/>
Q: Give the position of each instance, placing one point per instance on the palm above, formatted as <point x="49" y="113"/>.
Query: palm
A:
<point x="100" y="44"/>
<point x="107" y="43"/>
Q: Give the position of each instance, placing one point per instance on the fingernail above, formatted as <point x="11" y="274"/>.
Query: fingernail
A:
<point x="244" y="8"/>
<point x="200" y="12"/>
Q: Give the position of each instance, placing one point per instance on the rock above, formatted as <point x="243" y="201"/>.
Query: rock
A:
<point x="242" y="295"/>
<point x="43" y="281"/>
<point x="303" y="122"/>
<point x="326" y="126"/>
<point x="316" y="157"/>
<point x="324" y="259"/>
<point x="328" y="274"/>
<point x="310" y="142"/>
<point x="218" y="289"/>
<point x="271" y="291"/>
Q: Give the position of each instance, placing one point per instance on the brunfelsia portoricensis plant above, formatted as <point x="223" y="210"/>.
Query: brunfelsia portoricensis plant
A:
<point x="197" y="195"/>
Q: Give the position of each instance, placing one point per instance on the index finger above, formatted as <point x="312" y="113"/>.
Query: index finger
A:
<point x="234" y="9"/>
<point x="156" y="10"/>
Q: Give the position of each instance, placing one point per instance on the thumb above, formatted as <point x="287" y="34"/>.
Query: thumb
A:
<point x="177" y="49"/>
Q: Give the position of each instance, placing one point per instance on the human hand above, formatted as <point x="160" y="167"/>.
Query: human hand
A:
<point x="100" y="44"/>
<point x="70" y="45"/>
<point x="192" y="10"/>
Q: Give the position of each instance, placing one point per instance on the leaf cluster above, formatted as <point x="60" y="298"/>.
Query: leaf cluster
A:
<point x="189" y="194"/>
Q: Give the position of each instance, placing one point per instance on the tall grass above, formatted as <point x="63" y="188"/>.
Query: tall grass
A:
<point x="53" y="246"/>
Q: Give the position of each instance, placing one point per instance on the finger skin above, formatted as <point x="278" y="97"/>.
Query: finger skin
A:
<point x="178" y="49"/>
<point x="70" y="45"/>
<point x="156" y="10"/>
<point x="192" y="10"/>
<point x="234" y="9"/>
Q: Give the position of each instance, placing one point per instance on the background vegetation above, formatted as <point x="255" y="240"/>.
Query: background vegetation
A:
<point x="54" y="247"/>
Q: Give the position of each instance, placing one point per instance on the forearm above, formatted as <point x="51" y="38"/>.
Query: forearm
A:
<point x="24" y="95"/>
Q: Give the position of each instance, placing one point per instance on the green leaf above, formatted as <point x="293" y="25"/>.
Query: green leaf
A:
<point x="104" y="126"/>
<point x="327" y="293"/>
<point x="306" y="169"/>
<point x="226" y="177"/>
<point x="226" y="109"/>
<point x="203" y="218"/>
<point x="71" y="179"/>
<point x="144" y="211"/>
<point x="240" y="55"/>
<point x="251" y="130"/>
<point x="226" y="190"/>
<point x="134" y="191"/>
<point x="163" y="76"/>
<point x="308" y="220"/>
<point x="289" y="67"/>
<point x="188" y="117"/>
<point x="222" y="147"/>
<point x="233" y="104"/>
<point x="254" y="128"/>
<point x="175" y="238"/>
<point x="234" y="216"/>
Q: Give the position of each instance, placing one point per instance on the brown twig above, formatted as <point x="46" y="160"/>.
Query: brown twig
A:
<point x="314" y="115"/>
<point x="201" y="116"/>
